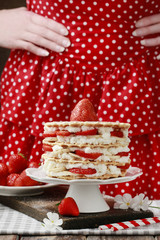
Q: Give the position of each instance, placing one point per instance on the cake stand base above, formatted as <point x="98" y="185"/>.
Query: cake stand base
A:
<point x="88" y="198"/>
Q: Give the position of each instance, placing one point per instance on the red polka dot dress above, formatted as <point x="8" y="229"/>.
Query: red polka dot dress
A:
<point x="106" y="64"/>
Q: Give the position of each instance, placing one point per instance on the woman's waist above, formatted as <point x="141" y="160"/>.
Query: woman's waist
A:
<point x="104" y="53"/>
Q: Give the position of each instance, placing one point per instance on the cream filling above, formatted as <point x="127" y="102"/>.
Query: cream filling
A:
<point x="61" y="169"/>
<point x="101" y="130"/>
<point x="95" y="139"/>
<point x="72" y="156"/>
<point x="105" y="151"/>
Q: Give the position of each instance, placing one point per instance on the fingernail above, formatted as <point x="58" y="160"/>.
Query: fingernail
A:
<point x="66" y="43"/>
<point x="143" y="42"/>
<point x="134" y="33"/>
<point x="44" y="53"/>
<point x="60" y="49"/>
<point x="64" y="31"/>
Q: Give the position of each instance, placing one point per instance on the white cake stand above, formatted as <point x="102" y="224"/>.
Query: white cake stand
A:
<point x="85" y="192"/>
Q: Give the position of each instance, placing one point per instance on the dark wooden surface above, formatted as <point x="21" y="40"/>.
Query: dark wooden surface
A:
<point x="38" y="207"/>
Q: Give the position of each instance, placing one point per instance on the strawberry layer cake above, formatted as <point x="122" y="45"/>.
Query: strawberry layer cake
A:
<point x="84" y="148"/>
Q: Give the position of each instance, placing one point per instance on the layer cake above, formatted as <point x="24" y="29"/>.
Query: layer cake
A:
<point x="86" y="149"/>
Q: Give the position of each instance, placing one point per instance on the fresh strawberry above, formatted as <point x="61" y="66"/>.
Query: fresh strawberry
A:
<point x="83" y="111"/>
<point x="117" y="134"/>
<point x="47" y="148"/>
<point x="68" y="207"/>
<point x="88" y="132"/>
<point x="17" y="163"/>
<point x="86" y="171"/>
<point x="63" y="133"/>
<point x="12" y="178"/>
<point x="24" y="180"/>
<point x="87" y="155"/>
<point x="49" y="134"/>
<point x="3" y="181"/>
<point x="3" y="170"/>
<point x="33" y="164"/>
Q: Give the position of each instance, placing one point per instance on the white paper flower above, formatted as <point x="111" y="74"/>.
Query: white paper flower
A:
<point x="52" y="222"/>
<point x="123" y="202"/>
<point x="140" y="202"/>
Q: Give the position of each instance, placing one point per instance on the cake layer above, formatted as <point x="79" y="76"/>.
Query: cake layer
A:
<point x="65" y="170"/>
<point x="87" y="133"/>
<point x="119" y="155"/>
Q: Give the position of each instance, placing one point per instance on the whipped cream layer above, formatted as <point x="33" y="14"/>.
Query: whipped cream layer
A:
<point x="70" y="154"/>
<point x="55" y="169"/>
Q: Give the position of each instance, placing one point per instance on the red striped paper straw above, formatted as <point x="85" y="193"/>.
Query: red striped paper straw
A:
<point x="130" y="224"/>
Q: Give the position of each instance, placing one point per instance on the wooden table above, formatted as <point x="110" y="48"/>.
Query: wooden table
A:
<point x="75" y="237"/>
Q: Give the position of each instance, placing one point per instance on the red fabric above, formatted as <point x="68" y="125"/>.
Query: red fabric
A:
<point x="104" y="63"/>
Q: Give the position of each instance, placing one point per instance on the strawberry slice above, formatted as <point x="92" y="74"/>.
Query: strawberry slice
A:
<point x="122" y="154"/>
<point x="49" y="134"/>
<point x="88" y="155"/>
<point x="88" y="132"/>
<point x="87" y="171"/>
<point x="83" y="111"/>
<point x="117" y="134"/>
<point x="126" y="166"/>
<point x="63" y="133"/>
<point x="47" y="148"/>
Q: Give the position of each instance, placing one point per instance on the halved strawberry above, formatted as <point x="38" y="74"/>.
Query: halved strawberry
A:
<point x="87" y="155"/>
<point x="88" y="132"/>
<point x="87" y="171"/>
<point x="47" y="148"/>
<point x="49" y="134"/>
<point x="117" y="134"/>
<point x="63" y="133"/>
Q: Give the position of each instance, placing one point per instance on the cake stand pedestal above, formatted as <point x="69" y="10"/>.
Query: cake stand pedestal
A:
<point x="85" y="192"/>
<point x="88" y="198"/>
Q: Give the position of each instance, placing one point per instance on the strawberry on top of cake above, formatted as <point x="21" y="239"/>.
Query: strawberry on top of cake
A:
<point x="84" y="147"/>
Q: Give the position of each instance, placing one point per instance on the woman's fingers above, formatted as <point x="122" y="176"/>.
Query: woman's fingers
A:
<point x="151" y="42"/>
<point x="146" y="21"/>
<point x="49" y="23"/>
<point x="28" y="46"/>
<point x="43" y="42"/>
<point x="144" y="31"/>
<point x="40" y="33"/>
<point x="22" y="29"/>
<point x="148" y="26"/>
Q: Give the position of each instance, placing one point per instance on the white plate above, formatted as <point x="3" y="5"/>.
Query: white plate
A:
<point x="24" y="191"/>
<point x="85" y="192"/>
<point x="39" y="175"/>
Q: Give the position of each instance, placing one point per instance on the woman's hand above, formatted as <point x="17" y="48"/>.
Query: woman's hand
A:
<point x="22" y="29"/>
<point x="146" y="26"/>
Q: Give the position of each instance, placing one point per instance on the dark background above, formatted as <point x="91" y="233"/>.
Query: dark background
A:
<point x="7" y="4"/>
